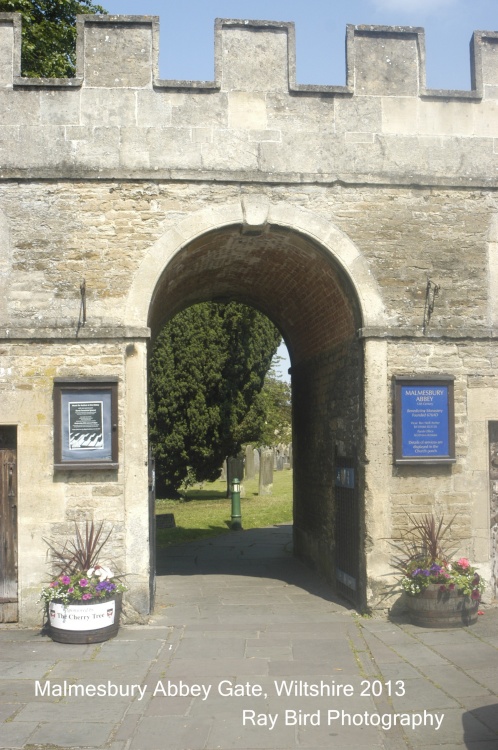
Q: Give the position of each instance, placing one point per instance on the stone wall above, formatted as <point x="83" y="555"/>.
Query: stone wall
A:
<point x="326" y="207"/>
<point x="118" y="119"/>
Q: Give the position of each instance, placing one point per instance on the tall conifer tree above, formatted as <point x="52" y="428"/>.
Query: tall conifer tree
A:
<point x="207" y="370"/>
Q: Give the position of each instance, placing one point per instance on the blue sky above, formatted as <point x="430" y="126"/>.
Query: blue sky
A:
<point x="187" y="32"/>
<point x="187" y="38"/>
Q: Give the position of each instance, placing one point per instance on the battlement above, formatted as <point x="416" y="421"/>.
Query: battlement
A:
<point x="119" y="117"/>
<point x="123" y="51"/>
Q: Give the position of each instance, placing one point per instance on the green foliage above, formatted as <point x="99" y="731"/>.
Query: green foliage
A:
<point x="208" y="511"/>
<point x="276" y="404"/>
<point x="49" y="34"/>
<point x="207" y="368"/>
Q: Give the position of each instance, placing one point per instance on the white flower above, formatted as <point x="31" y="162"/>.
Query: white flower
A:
<point x="102" y="573"/>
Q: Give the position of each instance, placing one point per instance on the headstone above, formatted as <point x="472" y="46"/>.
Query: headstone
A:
<point x="274" y="451"/>
<point x="280" y="463"/>
<point x="266" y="472"/>
<point x="249" y="467"/>
<point x="235" y="468"/>
<point x="290" y="456"/>
<point x="165" y="521"/>
<point x="223" y="474"/>
<point x="256" y="462"/>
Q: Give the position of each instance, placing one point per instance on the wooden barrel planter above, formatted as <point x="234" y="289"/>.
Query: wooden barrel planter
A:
<point x="84" y="622"/>
<point x="434" y="608"/>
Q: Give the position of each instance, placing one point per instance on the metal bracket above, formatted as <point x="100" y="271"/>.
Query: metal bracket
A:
<point x="431" y="292"/>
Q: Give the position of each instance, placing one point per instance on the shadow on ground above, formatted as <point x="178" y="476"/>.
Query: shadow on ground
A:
<point x="260" y="553"/>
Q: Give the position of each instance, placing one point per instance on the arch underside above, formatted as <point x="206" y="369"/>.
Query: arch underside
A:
<point x="308" y="296"/>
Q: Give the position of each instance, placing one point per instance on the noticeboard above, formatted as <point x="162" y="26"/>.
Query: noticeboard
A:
<point x="424" y="420"/>
<point x="85" y="424"/>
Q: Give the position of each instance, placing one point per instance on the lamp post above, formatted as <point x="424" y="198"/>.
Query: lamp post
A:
<point x="236" y="524"/>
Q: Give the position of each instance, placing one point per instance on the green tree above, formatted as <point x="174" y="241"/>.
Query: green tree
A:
<point x="49" y="34"/>
<point x="276" y="405"/>
<point x="207" y="368"/>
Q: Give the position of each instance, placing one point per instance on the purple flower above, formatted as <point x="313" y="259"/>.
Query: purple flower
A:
<point x="105" y="586"/>
<point x="436" y="568"/>
<point x="83" y="582"/>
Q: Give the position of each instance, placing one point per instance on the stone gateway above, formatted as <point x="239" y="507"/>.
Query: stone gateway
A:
<point x="335" y="210"/>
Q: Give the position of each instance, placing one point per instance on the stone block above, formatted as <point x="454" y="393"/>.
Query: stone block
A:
<point x="118" y="51"/>
<point x="360" y="114"/>
<point x="108" y="107"/>
<point x="169" y="148"/>
<point x="488" y="43"/>
<point x="230" y="148"/>
<point x="298" y="113"/>
<point x="247" y="110"/>
<point x="386" y="61"/>
<point x="60" y="107"/>
<point x="153" y="108"/>
<point x="19" y="107"/>
<point x="6" y="51"/>
<point x="253" y="58"/>
<point x="199" y="109"/>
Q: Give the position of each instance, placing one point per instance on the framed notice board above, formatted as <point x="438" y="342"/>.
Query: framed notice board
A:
<point x="85" y="424"/>
<point x="424" y="420"/>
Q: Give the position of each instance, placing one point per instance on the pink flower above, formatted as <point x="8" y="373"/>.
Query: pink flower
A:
<point x="83" y="582"/>
<point x="65" y="580"/>
<point x="53" y="585"/>
<point x="475" y="595"/>
<point x="70" y="590"/>
<point x="463" y="562"/>
<point x="86" y="596"/>
<point x="451" y="587"/>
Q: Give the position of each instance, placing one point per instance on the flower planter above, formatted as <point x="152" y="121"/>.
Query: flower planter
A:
<point x="433" y="608"/>
<point x="84" y="622"/>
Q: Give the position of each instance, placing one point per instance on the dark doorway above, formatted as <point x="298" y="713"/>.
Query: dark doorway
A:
<point x="8" y="524"/>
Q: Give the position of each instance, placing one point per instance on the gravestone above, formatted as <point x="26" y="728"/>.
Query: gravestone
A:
<point x="165" y="521"/>
<point x="256" y="461"/>
<point x="266" y="472"/>
<point x="249" y="467"/>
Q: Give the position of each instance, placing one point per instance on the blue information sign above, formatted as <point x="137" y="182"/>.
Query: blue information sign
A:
<point x="425" y="421"/>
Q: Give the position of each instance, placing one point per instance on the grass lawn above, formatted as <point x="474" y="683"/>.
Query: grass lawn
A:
<point x="207" y="511"/>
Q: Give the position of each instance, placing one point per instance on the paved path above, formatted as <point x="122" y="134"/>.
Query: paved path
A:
<point x="240" y="623"/>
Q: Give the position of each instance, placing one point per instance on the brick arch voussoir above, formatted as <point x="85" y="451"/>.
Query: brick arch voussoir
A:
<point x="307" y="223"/>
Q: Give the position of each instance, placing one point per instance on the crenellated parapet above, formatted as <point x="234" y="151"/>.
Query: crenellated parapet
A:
<point x="118" y="119"/>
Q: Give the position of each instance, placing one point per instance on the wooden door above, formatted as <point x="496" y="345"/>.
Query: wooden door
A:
<point x="8" y="525"/>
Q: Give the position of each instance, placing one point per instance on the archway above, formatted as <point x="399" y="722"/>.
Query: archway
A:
<point x="315" y="293"/>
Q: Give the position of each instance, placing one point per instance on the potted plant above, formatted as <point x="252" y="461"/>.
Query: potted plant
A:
<point x="83" y="601"/>
<point x="441" y="591"/>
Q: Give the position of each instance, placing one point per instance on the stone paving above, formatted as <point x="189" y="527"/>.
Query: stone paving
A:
<point x="242" y="637"/>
